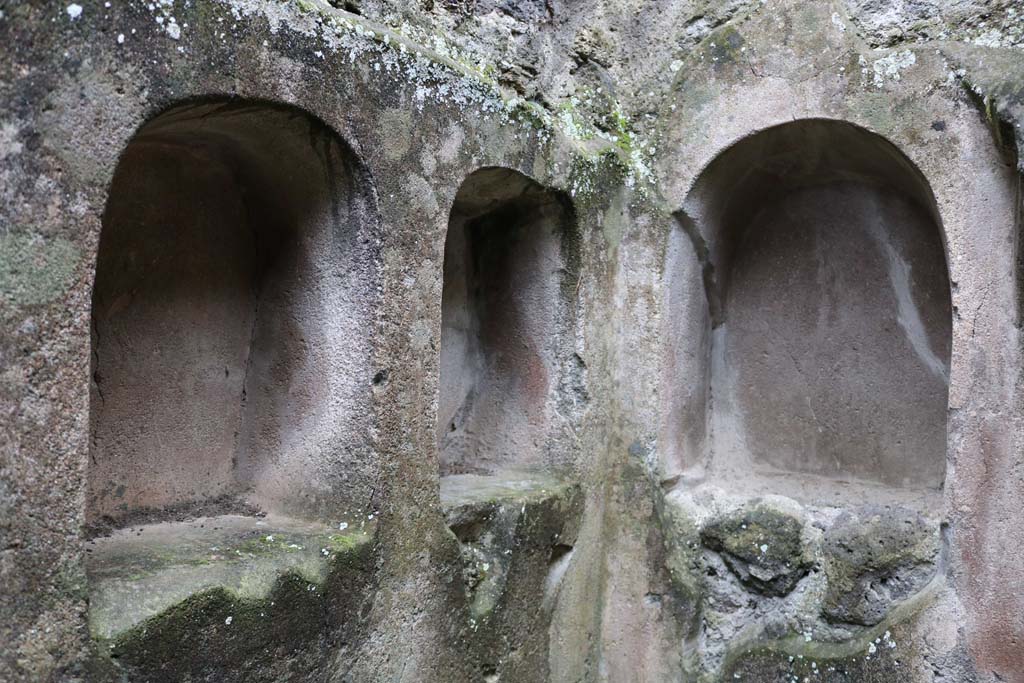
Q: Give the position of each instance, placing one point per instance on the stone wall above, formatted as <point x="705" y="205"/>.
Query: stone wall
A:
<point x="523" y="341"/>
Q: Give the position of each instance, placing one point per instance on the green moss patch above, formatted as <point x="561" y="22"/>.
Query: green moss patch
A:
<point x="762" y="546"/>
<point x="874" y="558"/>
<point x="241" y="599"/>
<point x="140" y="574"/>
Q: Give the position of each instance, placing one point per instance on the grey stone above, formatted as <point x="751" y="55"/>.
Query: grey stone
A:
<point x="764" y="247"/>
<point x="762" y="546"/>
<point x="873" y="559"/>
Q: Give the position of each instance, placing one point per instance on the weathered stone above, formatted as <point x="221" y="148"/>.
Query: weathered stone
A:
<point x="683" y="555"/>
<point x="874" y="558"/>
<point x="226" y="598"/>
<point x="783" y="265"/>
<point x="872" y="662"/>
<point x="762" y="546"/>
<point x="516" y="532"/>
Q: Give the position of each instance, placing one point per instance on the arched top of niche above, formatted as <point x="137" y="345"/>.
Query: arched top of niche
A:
<point x="793" y="155"/>
<point x="493" y="188"/>
<point x="264" y="132"/>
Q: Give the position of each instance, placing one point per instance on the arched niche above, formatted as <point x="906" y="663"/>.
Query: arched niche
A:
<point x="818" y="358"/>
<point x="234" y="292"/>
<point x="506" y="330"/>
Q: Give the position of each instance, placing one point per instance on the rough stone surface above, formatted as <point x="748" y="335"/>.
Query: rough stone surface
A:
<point x="246" y="609"/>
<point x="618" y="108"/>
<point x="742" y="598"/>
<point x="761" y="546"/>
<point x="517" y="533"/>
<point x="874" y="557"/>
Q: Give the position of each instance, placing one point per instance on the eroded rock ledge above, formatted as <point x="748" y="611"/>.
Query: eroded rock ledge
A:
<point x="772" y="584"/>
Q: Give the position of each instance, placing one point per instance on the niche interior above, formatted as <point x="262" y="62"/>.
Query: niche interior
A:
<point x="234" y="286"/>
<point x="818" y="362"/>
<point x="509" y="285"/>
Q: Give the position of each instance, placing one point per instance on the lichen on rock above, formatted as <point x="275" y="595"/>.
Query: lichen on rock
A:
<point x="762" y="546"/>
<point x="873" y="558"/>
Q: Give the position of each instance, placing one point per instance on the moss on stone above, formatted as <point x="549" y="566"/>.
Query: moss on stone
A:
<point x="137" y="578"/>
<point x="878" y="656"/>
<point x="683" y="559"/>
<point x="767" y="666"/>
<point x="725" y="46"/>
<point x="873" y="558"/>
<point x="35" y="269"/>
<point x="220" y="633"/>
<point x="762" y="546"/>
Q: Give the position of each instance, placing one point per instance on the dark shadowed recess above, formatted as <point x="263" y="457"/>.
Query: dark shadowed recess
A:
<point x="234" y="289"/>
<point x="827" y="328"/>
<point x="510" y="272"/>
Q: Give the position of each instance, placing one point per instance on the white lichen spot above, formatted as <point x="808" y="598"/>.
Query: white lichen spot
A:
<point x="9" y="144"/>
<point x="891" y="66"/>
<point x="342" y="526"/>
<point x="120" y="39"/>
<point x="174" y="31"/>
<point x="74" y="11"/>
<point x="676" y="65"/>
<point x="228" y="621"/>
<point x="837" y="21"/>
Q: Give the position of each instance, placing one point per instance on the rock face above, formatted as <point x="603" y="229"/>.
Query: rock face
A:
<point x="763" y="547"/>
<point x="511" y="341"/>
<point x="774" y="585"/>
<point x="873" y="558"/>
<point x="516" y="534"/>
<point x="252" y="610"/>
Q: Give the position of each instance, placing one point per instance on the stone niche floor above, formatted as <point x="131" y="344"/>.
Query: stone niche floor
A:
<point x="754" y="480"/>
<point x="459" y="490"/>
<point x="137" y="574"/>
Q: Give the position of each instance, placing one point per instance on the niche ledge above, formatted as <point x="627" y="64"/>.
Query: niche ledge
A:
<point x="755" y="481"/>
<point x="517" y="530"/>
<point x="463" y="491"/>
<point x="195" y="598"/>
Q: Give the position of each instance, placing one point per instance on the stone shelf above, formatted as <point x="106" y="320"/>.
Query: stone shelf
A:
<point x="138" y="574"/>
<point x="465" y="490"/>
